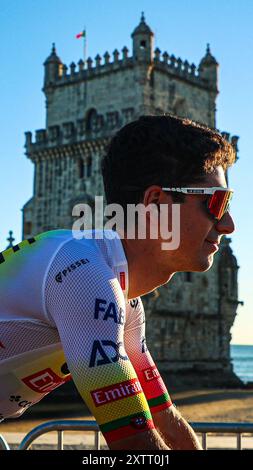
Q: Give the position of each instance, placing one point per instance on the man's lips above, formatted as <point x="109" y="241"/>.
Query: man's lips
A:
<point x="214" y="242"/>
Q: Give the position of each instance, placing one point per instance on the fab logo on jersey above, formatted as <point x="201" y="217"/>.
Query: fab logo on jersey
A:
<point x="107" y="310"/>
<point x="106" y="352"/>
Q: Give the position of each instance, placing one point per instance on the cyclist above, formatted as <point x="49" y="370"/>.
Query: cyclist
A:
<point x="70" y="306"/>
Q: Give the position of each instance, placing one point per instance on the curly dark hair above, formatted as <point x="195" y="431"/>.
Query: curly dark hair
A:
<point x="163" y="150"/>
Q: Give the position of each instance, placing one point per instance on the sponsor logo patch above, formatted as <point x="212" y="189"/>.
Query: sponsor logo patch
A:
<point x="105" y="352"/>
<point x="144" y="347"/>
<point x="107" y="310"/>
<point x="122" y="277"/>
<point x="43" y="381"/>
<point x="134" y="303"/>
<point x="138" y="422"/>
<point x="69" y="269"/>
<point x="151" y="373"/>
<point x="21" y="403"/>
<point x="111" y="393"/>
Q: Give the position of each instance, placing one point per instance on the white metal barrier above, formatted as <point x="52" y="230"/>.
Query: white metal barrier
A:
<point x="60" y="426"/>
<point x="3" y="444"/>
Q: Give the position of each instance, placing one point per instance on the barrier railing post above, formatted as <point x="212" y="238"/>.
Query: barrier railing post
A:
<point x="97" y="440"/>
<point x="204" y="440"/>
<point x="239" y="441"/>
<point x="60" y="440"/>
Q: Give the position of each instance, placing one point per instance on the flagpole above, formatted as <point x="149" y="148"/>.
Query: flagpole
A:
<point x="83" y="35"/>
<point x="84" y="46"/>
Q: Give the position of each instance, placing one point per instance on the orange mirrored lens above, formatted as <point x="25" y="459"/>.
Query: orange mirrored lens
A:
<point x="219" y="202"/>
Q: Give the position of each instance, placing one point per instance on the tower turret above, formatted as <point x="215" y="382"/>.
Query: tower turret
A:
<point x="143" y="42"/>
<point x="208" y="68"/>
<point x="10" y="239"/>
<point x="53" y="67"/>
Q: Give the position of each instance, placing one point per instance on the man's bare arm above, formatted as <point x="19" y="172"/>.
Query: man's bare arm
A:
<point x="175" y="431"/>
<point x="148" y="440"/>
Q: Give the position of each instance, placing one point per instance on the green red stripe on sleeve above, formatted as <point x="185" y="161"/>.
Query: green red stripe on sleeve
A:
<point x="160" y="403"/>
<point x="127" y="426"/>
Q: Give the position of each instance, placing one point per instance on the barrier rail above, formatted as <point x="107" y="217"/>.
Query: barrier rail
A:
<point x="61" y="426"/>
<point x="85" y="425"/>
<point x="225" y="428"/>
<point x="3" y="444"/>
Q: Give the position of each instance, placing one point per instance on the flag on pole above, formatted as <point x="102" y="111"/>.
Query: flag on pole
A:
<point x="81" y="35"/>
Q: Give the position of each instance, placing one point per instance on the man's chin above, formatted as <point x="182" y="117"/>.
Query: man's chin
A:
<point x="203" y="264"/>
<point x="206" y="264"/>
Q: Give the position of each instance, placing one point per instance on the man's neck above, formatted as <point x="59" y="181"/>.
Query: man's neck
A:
<point x="144" y="275"/>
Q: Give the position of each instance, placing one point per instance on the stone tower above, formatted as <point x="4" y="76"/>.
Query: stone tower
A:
<point x="86" y="103"/>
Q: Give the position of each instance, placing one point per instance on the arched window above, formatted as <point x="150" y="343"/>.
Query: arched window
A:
<point x="81" y="168"/>
<point x="180" y="108"/>
<point x="188" y="277"/>
<point x="94" y="121"/>
<point x="88" y="167"/>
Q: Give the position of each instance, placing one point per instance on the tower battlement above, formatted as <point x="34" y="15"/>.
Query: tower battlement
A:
<point x="116" y="62"/>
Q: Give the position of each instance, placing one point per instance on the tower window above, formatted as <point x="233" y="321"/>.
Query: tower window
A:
<point x="88" y="167"/>
<point x="27" y="228"/>
<point x="143" y="44"/>
<point x="81" y="168"/>
<point x="188" y="277"/>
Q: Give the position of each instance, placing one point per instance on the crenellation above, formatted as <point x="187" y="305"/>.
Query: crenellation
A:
<point x="166" y="57"/>
<point x="107" y="58"/>
<point x="124" y="54"/>
<point x="193" y="69"/>
<point x="116" y="55"/>
<point x="234" y="142"/>
<point x="72" y="69"/>
<point x="53" y="134"/>
<point x="186" y="66"/>
<point x="173" y="61"/>
<point x="179" y="65"/>
<point x="28" y="140"/>
<point x="81" y="66"/>
<point x="89" y="63"/>
<point x="98" y="59"/>
<point x="92" y="124"/>
<point x="225" y="135"/>
<point x="157" y="56"/>
<point x="41" y="136"/>
<point x="64" y="72"/>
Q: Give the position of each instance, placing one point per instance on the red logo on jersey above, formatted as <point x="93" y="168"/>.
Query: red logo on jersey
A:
<point x="1" y="345"/>
<point x="114" y="392"/>
<point x="151" y="373"/>
<point x="122" y="277"/>
<point x="44" y="381"/>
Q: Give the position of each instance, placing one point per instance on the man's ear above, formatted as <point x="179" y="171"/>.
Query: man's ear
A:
<point x="152" y="195"/>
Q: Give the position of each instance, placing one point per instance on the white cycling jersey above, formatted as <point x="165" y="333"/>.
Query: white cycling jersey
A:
<point x="65" y="313"/>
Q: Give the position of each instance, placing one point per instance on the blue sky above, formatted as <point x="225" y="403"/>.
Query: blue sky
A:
<point x="181" y="27"/>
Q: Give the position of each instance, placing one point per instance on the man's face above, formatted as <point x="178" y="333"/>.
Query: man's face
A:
<point x="200" y="235"/>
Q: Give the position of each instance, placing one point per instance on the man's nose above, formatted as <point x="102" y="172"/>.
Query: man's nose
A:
<point x="226" y="224"/>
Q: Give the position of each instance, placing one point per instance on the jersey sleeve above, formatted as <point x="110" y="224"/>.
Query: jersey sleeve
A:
<point x="87" y="306"/>
<point x="135" y="343"/>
